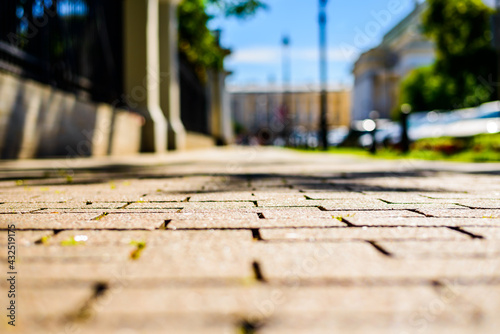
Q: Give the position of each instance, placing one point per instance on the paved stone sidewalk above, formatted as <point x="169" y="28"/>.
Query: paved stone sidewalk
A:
<point x="251" y="240"/>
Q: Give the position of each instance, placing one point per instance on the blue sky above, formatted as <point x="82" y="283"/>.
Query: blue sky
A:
<point x="353" y="26"/>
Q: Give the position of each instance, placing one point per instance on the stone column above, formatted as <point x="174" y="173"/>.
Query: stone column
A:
<point x="220" y="113"/>
<point x="215" y="106"/>
<point x="142" y="74"/>
<point x="169" y="66"/>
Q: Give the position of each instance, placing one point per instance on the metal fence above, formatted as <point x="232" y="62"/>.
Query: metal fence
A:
<point x="74" y="45"/>
<point x="194" y="102"/>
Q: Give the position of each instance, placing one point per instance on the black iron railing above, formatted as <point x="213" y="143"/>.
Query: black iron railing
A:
<point x="194" y="102"/>
<point x="75" y="45"/>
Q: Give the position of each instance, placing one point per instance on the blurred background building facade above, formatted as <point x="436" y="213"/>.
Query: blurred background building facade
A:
<point x="267" y="111"/>
<point x="378" y="72"/>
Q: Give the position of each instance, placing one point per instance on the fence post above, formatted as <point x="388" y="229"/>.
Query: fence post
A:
<point x="405" y="140"/>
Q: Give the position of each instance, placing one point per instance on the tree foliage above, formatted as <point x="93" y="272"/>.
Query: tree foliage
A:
<point x="196" y="42"/>
<point x="464" y="72"/>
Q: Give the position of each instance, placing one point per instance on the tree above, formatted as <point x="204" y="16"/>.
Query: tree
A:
<point x="196" y="42"/>
<point x="464" y="72"/>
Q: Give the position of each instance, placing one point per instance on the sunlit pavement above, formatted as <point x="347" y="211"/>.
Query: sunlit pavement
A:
<point x="251" y="240"/>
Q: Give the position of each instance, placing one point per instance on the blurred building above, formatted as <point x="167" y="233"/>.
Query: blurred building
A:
<point x="378" y="72"/>
<point x="92" y="77"/>
<point x="268" y="108"/>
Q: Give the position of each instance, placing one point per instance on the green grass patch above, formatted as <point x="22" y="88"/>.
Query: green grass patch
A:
<point x="481" y="148"/>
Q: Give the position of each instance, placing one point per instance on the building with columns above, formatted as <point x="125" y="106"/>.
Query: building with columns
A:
<point x="90" y="77"/>
<point x="378" y="72"/>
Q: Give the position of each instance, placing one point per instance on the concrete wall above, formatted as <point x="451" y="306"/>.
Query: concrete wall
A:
<point x="39" y="121"/>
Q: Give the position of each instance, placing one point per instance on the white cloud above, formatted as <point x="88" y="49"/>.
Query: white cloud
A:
<point x="257" y="55"/>
<point x="272" y="55"/>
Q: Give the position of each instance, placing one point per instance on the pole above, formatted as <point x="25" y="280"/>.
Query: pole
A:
<point x="405" y="139"/>
<point x="286" y="63"/>
<point x="323" y="68"/>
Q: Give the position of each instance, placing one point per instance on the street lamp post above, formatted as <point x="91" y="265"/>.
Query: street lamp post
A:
<point x="323" y="68"/>
<point x="286" y="62"/>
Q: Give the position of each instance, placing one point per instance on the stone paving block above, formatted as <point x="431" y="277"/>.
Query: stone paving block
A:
<point x="462" y="195"/>
<point x="49" y="303"/>
<point x="407" y="197"/>
<point x="285" y="194"/>
<point x="460" y="212"/>
<point x="124" y="210"/>
<point x="425" y="321"/>
<point x="222" y="255"/>
<point x="293" y="213"/>
<point x="276" y="194"/>
<point x="80" y="205"/>
<point x="422" y="221"/>
<point x="355" y="261"/>
<point x="77" y="193"/>
<point x="366" y="214"/>
<point x="54" y="254"/>
<point x="154" y="238"/>
<point x="473" y="248"/>
<point x="46" y="221"/>
<point x="332" y="204"/>
<point x="223" y="196"/>
<point x="157" y="323"/>
<point x="335" y="195"/>
<point x="212" y="206"/>
<point x="155" y="205"/>
<point x="487" y="298"/>
<point x="210" y="267"/>
<point x="18" y="207"/>
<point x="213" y="215"/>
<point x="253" y="224"/>
<point x="418" y="206"/>
<point x="162" y="197"/>
<point x="346" y="234"/>
<point x="261" y="301"/>
<point x="93" y="220"/>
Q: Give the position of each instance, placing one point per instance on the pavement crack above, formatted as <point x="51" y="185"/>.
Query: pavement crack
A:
<point x="256" y="234"/>
<point x="85" y="312"/>
<point x="469" y="207"/>
<point x="37" y="210"/>
<point x="164" y="225"/>
<point x="421" y="213"/>
<point x="101" y="216"/>
<point x="386" y="202"/>
<point x="379" y="248"/>
<point x="345" y="221"/>
<point x="461" y="230"/>
<point x="124" y="206"/>
<point x="247" y="326"/>
<point x="257" y="272"/>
